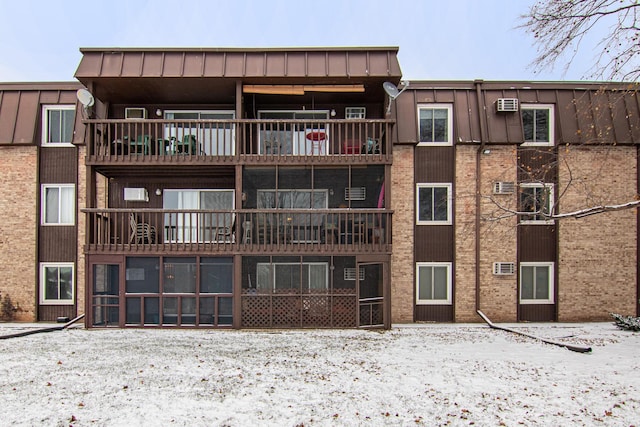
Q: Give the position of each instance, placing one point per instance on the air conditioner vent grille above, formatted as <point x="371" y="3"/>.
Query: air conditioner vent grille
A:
<point x="504" y="268"/>
<point x="507" y="104"/>
<point x="504" y="187"/>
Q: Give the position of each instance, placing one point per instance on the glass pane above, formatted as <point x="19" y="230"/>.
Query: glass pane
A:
<point x="67" y="205"/>
<point x="440" y="125"/>
<point x="68" y="117"/>
<point x="440" y="204"/>
<point x="542" y="283"/>
<point x="287" y="276"/>
<point x="216" y="276"/>
<point x="152" y="311"/>
<point x="542" y="125"/>
<point x="52" y="207"/>
<point x="263" y="273"/>
<point x="180" y="275"/>
<point x="188" y="307"/>
<point x="526" y="282"/>
<point x="225" y="311"/>
<point x="440" y="288"/>
<point x="207" y="311"/>
<point x="425" y="204"/>
<point x="170" y="311"/>
<point x="51" y="291"/>
<point x="142" y="275"/>
<point x="66" y="283"/>
<point x="527" y="125"/>
<point x="425" y="283"/>
<point x="426" y="125"/>
<point x="106" y="279"/>
<point x="133" y="313"/>
<point x="317" y="276"/>
<point x="54" y="122"/>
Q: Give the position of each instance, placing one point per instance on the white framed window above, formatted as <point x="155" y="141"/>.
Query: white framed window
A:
<point x="58" y="204"/>
<point x="536" y="283"/>
<point x="57" y="124"/>
<point x="435" y="124"/>
<point x="292" y="275"/>
<point x="433" y="204"/>
<point x="56" y="283"/>
<point x="536" y="201"/>
<point x="355" y="113"/>
<point x="538" y="124"/>
<point x="433" y="283"/>
<point x="211" y="138"/>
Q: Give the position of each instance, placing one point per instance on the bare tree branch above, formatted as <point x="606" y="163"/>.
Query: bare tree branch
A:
<point x="560" y="27"/>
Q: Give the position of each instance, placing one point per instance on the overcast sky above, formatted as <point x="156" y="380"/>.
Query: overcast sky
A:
<point x="443" y="40"/>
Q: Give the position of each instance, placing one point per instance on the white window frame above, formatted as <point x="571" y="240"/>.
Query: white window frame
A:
<point x="448" y="300"/>
<point x="272" y="274"/>
<point x="551" y="135"/>
<point x="43" y="204"/>
<point x="449" y="109"/>
<point x="43" y="284"/>
<point x="551" y="268"/>
<point x="45" y="125"/>
<point x="550" y="202"/>
<point x="432" y="185"/>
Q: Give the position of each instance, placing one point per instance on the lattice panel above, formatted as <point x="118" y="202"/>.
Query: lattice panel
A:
<point x="256" y="312"/>
<point x="286" y="311"/>
<point x="316" y="311"/>
<point x="344" y="311"/>
<point x="371" y="315"/>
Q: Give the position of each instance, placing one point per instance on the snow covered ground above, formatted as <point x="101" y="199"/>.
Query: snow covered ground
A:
<point x="452" y="374"/>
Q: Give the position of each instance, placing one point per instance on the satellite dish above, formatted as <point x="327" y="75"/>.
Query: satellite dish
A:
<point x="85" y="98"/>
<point x="391" y="90"/>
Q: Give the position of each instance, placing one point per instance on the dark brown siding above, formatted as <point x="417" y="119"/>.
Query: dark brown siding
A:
<point x="58" y="165"/>
<point x="434" y="243"/>
<point x="57" y="243"/>
<point x="49" y="313"/>
<point x="537" y="243"/>
<point x="434" y="313"/>
<point x="537" y="312"/>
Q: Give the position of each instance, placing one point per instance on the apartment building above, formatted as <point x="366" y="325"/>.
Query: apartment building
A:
<point x="299" y="187"/>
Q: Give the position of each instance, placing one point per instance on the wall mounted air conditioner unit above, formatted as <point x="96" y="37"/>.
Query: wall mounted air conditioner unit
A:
<point x="504" y="187"/>
<point x="504" y="268"/>
<point x="507" y="104"/>
<point x="136" y="194"/>
<point x="355" y="193"/>
<point x="135" y="113"/>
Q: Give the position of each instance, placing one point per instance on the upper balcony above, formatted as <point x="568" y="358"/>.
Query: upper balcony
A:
<point x="161" y="142"/>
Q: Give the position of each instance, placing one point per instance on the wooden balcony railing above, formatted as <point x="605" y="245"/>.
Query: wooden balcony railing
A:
<point x="249" y="230"/>
<point x="174" y="141"/>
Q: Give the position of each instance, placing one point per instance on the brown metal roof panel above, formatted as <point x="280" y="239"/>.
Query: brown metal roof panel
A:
<point x="214" y="64"/>
<point x="9" y="104"/>
<point x="27" y="118"/>
<point x="358" y="64"/>
<point x="111" y="64"/>
<point x="277" y="65"/>
<point x="254" y="64"/>
<point x="173" y="64"/>
<point x="132" y="65"/>
<point x="193" y="64"/>
<point x="153" y="64"/>
<point x="234" y="64"/>
<point x="316" y="64"/>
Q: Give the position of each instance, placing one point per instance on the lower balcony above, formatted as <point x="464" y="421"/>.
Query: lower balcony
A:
<point x="239" y="231"/>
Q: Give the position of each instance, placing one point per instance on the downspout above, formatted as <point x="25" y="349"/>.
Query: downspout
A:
<point x="483" y="141"/>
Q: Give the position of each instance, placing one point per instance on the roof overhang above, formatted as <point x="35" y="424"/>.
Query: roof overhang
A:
<point x="120" y="75"/>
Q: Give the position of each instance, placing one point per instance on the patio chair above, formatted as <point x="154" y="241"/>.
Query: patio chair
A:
<point x="188" y="145"/>
<point x="141" y="232"/>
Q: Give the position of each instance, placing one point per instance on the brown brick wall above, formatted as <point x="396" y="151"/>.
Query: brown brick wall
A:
<point x="18" y="202"/>
<point x="403" y="205"/>
<point x="598" y="253"/>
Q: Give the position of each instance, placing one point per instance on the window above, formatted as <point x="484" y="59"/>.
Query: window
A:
<point x="355" y="112"/>
<point x="536" y="199"/>
<point x="287" y="276"/>
<point x="58" y="204"/>
<point x="57" y="124"/>
<point x="309" y="136"/>
<point x="536" y="283"/>
<point x="433" y="283"/>
<point x="56" y="283"/>
<point x="433" y="204"/>
<point x="435" y="124"/>
<point x="194" y="227"/>
<point x="538" y="124"/>
<point x="212" y="138"/>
